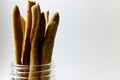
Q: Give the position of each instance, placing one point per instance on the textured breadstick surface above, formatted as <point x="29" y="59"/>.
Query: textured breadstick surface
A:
<point x="35" y="54"/>
<point x="48" y="43"/>
<point x="47" y="47"/>
<point x="42" y="28"/>
<point x="41" y="32"/>
<point x="55" y="17"/>
<point x="46" y="16"/>
<point x="18" y="35"/>
<point x="34" y="35"/>
<point x="26" y="43"/>
<point x="23" y="25"/>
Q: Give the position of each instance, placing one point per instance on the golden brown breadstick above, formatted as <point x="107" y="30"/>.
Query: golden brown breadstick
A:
<point x="23" y="25"/>
<point x="48" y="43"/>
<point x="18" y="35"/>
<point x="46" y="16"/>
<point x="36" y="17"/>
<point x="26" y="42"/>
<point x="42" y="28"/>
<point x="35" y="53"/>
<point x="41" y="33"/>
<point x="55" y="18"/>
<point x="47" y="47"/>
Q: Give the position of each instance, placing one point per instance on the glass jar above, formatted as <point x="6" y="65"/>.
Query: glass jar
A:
<point x="39" y="72"/>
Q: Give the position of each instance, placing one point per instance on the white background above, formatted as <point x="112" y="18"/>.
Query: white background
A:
<point x="87" y="45"/>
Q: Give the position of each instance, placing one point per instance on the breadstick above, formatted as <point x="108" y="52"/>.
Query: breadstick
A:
<point x="23" y="25"/>
<point x="47" y="47"/>
<point x="48" y="43"/>
<point x="41" y="34"/>
<point x="46" y="16"/>
<point x="36" y="17"/>
<point x="26" y="42"/>
<point x="42" y="28"/>
<point x="55" y="18"/>
<point x="35" y="54"/>
<point x="18" y="35"/>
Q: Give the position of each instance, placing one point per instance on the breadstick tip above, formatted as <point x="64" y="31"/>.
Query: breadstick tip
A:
<point x="15" y="9"/>
<point x="55" y="17"/>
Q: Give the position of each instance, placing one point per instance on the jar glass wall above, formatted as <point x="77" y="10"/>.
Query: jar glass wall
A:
<point x="39" y="72"/>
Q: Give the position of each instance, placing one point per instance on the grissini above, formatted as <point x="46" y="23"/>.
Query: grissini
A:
<point x="18" y="34"/>
<point x="23" y="22"/>
<point x="26" y="42"/>
<point x="36" y="17"/>
<point x="48" y="44"/>
<point x="41" y="33"/>
<point x="47" y="47"/>
<point x="46" y="16"/>
<point x="35" y="53"/>
<point x="55" y="17"/>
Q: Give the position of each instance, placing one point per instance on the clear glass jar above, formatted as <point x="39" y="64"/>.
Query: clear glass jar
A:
<point x="23" y="72"/>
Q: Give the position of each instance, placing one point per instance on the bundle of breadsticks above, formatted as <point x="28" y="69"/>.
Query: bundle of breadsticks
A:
<point x="34" y="37"/>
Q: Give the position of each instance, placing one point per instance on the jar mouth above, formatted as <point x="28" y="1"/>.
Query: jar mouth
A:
<point x="18" y="65"/>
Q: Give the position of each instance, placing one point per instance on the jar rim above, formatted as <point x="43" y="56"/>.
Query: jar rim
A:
<point x="19" y="65"/>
